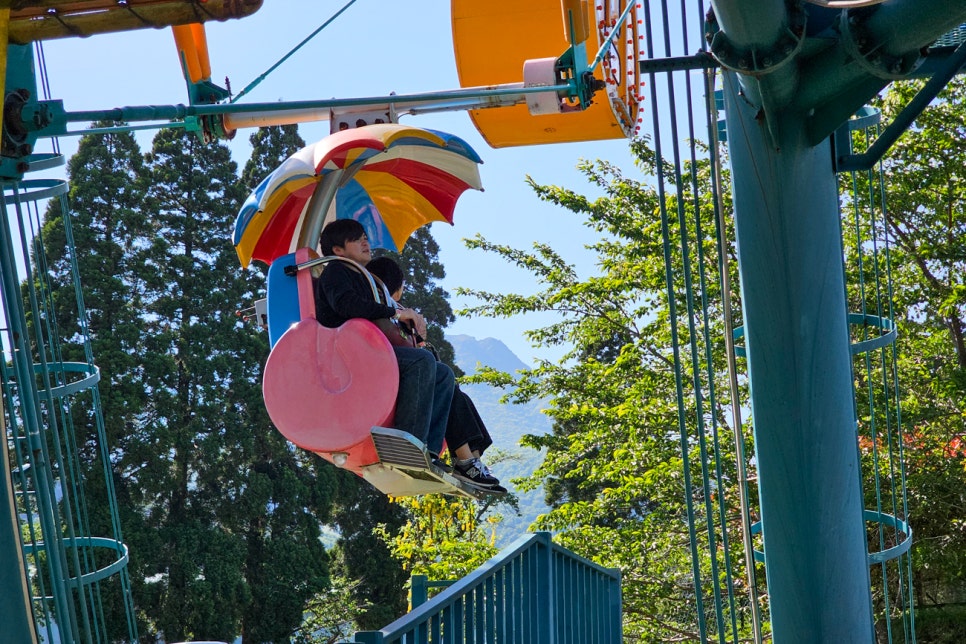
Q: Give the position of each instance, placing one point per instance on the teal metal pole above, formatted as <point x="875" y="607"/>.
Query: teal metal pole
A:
<point x="546" y="605"/>
<point x="418" y="590"/>
<point x="793" y="296"/>
<point x="40" y="473"/>
<point x="15" y="611"/>
<point x="758" y="41"/>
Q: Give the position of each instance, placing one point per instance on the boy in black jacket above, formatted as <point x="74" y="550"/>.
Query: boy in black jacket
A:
<point x="342" y="293"/>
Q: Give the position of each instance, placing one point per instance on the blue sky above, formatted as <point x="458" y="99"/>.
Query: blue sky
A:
<point x="374" y="48"/>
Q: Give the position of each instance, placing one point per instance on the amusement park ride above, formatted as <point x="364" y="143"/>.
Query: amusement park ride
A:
<point x="793" y="73"/>
<point x="286" y="213"/>
<point x="406" y="176"/>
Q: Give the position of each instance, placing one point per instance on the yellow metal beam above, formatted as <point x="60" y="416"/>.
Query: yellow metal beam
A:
<point x="49" y="19"/>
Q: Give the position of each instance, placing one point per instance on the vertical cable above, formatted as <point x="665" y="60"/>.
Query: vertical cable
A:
<point x="673" y="321"/>
<point x="727" y="308"/>
<point x="909" y="625"/>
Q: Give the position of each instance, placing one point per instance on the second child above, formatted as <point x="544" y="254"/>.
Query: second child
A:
<point x="466" y="435"/>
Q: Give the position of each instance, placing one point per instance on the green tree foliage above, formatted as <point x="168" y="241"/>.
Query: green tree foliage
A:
<point x="925" y="184"/>
<point x="185" y="461"/>
<point x="270" y="146"/>
<point x="332" y="616"/>
<point x="107" y="181"/>
<point x="614" y="471"/>
<point x="363" y="557"/>
<point x="107" y="184"/>
<point x="445" y="538"/>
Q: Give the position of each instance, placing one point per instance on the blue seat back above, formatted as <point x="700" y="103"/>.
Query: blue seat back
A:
<point x="283" y="298"/>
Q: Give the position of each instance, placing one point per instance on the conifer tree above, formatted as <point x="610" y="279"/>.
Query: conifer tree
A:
<point x="107" y="187"/>
<point x="283" y="543"/>
<point x="209" y="492"/>
<point x="270" y="146"/>
<point x="239" y="510"/>
<point x="364" y="557"/>
<point x="180" y="459"/>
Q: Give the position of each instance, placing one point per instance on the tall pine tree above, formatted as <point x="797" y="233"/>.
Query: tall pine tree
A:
<point x="107" y="188"/>
<point x="286" y="563"/>
<point x="222" y="515"/>
<point x="195" y="371"/>
<point x="237" y="511"/>
<point x="107" y="184"/>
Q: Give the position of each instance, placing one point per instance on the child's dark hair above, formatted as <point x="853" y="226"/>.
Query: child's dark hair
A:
<point x="338" y="232"/>
<point x="388" y="271"/>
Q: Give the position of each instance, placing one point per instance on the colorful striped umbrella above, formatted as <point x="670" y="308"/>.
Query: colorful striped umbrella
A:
<point x="391" y="178"/>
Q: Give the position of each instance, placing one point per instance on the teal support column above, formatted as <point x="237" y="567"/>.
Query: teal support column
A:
<point x="793" y="296"/>
<point x="16" y="613"/>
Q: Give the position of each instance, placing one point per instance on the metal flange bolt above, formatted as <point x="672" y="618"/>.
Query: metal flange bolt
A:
<point x="762" y="60"/>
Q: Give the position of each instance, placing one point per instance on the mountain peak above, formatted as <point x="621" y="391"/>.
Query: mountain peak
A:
<point x="489" y="352"/>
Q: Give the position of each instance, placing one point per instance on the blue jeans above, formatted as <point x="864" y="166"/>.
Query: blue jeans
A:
<point x="425" y="395"/>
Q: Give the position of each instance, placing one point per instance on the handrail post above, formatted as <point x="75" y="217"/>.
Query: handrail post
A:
<point x="547" y="591"/>
<point x="418" y="590"/>
<point x="369" y="637"/>
<point x="616" y="611"/>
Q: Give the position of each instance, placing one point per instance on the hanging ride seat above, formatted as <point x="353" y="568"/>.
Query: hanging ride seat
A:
<point x="333" y="391"/>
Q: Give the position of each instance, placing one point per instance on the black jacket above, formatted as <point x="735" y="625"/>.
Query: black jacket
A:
<point x="341" y="293"/>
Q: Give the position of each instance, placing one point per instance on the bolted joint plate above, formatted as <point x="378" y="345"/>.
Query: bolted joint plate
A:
<point x="757" y="61"/>
<point x="867" y="52"/>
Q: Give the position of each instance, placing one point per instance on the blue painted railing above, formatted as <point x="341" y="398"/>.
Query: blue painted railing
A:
<point x="534" y="592"/>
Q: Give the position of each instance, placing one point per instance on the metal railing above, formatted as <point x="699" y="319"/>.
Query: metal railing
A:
<point x="534" y="592"/>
